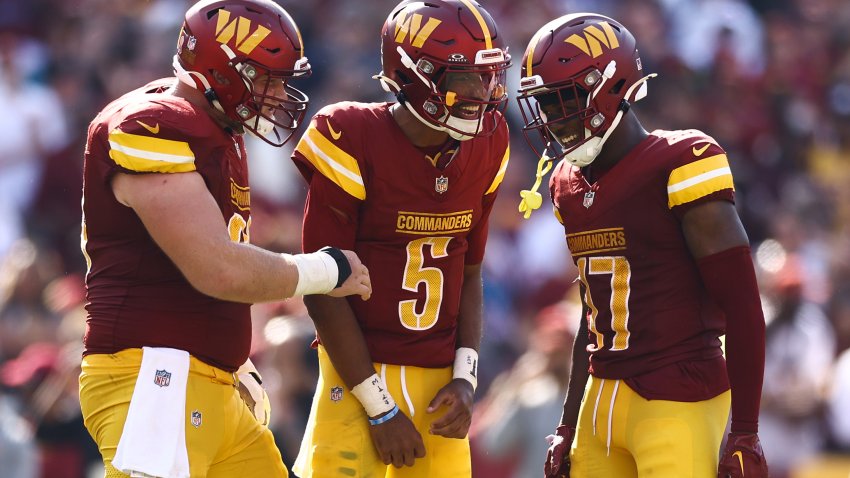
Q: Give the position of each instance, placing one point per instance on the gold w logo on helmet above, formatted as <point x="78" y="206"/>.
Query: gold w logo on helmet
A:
<point x="412" y="26"/>
<point x="240" y="27"/>
<point x="593" y="39"/>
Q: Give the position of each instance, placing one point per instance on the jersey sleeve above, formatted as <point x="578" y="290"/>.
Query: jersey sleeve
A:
<point x="148" y="145"/>
<point x="336" y="187"/>
<point x="477" y="238"/>
<point x="700" y="174"/>
<point x="323" y="149"/>
<point x="330" y="216"/>
<point x="503" y="165"/>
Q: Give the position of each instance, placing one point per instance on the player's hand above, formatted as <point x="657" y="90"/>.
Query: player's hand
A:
<point x="457" y="396"/>
<point x="742" y="457"/>
<point x="558" y="457"/>
<point x="358" y="283"/>
<point x="397" y="441"/>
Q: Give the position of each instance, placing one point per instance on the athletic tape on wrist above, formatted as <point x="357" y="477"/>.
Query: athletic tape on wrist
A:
<point x="466" y="366"/>
<point x="342" y="265"/>
<point x="385" y="418"/>
<point x="373" y="395"/>
<point x="317" y="273"/>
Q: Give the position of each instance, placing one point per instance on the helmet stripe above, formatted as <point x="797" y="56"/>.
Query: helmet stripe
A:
<point x="488" y="41"/>
<point x="530" y="56"/>
<point x="547" y="28"/>
<point x="300" y="41"/>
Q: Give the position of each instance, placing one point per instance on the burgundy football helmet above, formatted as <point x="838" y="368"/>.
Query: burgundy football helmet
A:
<point x="242" y="55"/>
<point x="445" y="61"/>
<point x="580" y="73"/>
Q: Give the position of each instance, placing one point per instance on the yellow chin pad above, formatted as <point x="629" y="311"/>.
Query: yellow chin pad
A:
<point x="451" y="98"/>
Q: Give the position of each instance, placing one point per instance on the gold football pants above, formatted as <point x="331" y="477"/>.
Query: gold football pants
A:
<point x="622" y="434"/>
<point x="223" y="438"/>
<point x="337" y="441"/>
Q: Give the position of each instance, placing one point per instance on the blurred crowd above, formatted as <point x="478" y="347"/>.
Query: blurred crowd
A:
<point x="769" y="79"/>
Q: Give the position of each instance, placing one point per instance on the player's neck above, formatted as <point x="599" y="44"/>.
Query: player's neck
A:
<point x="421" y="135"/>
<point x="625" y="138"/>
<point x="197" y="98"/>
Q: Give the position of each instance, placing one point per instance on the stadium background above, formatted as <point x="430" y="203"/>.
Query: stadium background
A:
<point x="770" y="80"/>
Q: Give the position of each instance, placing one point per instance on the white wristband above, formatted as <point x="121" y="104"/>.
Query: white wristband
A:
<point x="373" y="395"/>
<point x="317" y="273"/>
<point x="466" y="365"/>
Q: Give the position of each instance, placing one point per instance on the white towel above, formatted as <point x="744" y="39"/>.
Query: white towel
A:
<point x="153" y="442"/>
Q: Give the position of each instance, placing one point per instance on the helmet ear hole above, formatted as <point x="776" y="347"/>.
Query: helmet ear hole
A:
<point x="615" y="90"/>
<point x="405" y="80"/>
<point x="219" y="78"/>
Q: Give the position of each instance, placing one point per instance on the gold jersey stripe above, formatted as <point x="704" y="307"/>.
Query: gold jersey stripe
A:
<point x="501" y="174"/>
<point x="146" y="154"/>
<point x="334" y="163"/>
<point x="700" y="178"/>
<point x="488" y="41"/>
<point x="558" y="215"/>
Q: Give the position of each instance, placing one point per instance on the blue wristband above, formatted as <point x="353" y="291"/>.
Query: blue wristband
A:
<point x="387" y="417"/>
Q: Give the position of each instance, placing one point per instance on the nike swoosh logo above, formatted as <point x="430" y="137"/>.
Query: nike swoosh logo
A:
<point x="334" y="134"/>
<point x="698" y="152"/>
<point x="152" y="129"/>
<point x="739" y="455"/>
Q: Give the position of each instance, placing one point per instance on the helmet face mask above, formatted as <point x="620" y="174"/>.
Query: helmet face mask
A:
<point x="579" y="74"/>
<point x="561" y="116"/>
<point x="274" y="105"/>
<point x="462" y="95"/>
<point x="243" y="54"/>
<point x="446" y="63"/>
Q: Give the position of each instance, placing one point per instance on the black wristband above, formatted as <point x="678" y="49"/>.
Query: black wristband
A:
<point x="342" y="264"/>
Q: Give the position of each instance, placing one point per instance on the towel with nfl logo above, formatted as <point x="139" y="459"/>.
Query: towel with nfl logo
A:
<point x="153" y="442"/>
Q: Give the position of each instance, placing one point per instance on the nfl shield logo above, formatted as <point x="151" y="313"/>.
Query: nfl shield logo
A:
<point x="196" y="419"/>
<point x="441" y="184"/>
<point x="588" y="199"/>
<point x="336" y="394"/>
<point x="162" y="378"/>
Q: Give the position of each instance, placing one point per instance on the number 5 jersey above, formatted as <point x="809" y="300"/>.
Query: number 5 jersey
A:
<point x="414" y="225"/>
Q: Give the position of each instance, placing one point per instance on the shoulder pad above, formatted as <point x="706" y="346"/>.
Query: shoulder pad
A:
<point x="330" y="147"/>
<point x="698" y="167"/>
<point x="147" y="141"/>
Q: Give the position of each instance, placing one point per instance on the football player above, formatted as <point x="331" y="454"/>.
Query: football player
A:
<point x="165" y="233"/>
<point x="664" y="266"/>
<point x="409" y="185"/>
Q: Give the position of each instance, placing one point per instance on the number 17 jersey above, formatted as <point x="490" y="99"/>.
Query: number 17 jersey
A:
<point x="650" y="320"/>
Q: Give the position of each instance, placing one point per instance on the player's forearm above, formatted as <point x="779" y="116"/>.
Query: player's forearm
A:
<point x="342" y="338"/>
<point x="578" y="377"/>
<point x="745" y="340"/>
<point x="243" y="273"/>
<point x="267" y="276"/>
<point x="470" y="322"/>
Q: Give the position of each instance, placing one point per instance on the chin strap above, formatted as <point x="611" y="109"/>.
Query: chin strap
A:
<point x="595" y="147"/>
<point x="192" y="78"/>
<point x="531" y="199"/>
<point x="641" y="93"/>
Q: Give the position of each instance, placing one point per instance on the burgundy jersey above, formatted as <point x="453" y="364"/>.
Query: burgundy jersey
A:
<point x="414" y="226"/>
<point x="650" y="320"/>
<point x="135" y="295"/>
